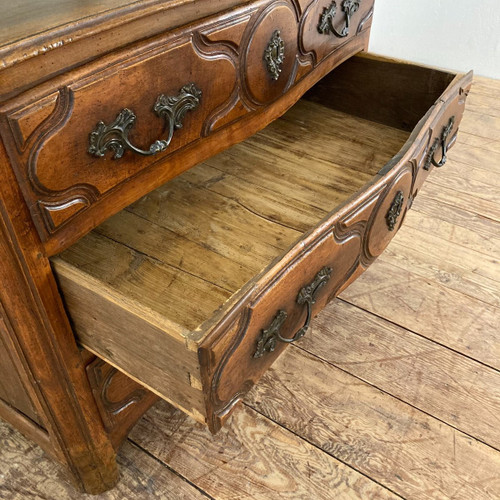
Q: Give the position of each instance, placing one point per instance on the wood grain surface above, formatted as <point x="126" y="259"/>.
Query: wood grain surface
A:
<point x="392" y="394"/>
<point x="142" y="476"/>
<point x="43" y="38"/>
<point x="259" y="196"/>
<point x="384" y="438"/>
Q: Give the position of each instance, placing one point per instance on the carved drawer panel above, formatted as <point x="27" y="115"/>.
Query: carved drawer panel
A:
<point x="196" y="288"/>
<point x="87" y="143"/>
<point x="329" y="24"/>
<point x="273" y="42"/>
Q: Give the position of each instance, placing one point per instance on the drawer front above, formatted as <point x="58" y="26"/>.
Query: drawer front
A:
<point x="243" y="346"/>
<point x="88" y="143"/>
<point x="441" y="136"/>
<point x="329" y="24"/>
<point x="77" y="144"/>
<point x="280" y="310"/>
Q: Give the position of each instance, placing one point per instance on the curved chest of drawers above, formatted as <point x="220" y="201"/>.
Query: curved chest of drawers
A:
<point x="196" y="288"/>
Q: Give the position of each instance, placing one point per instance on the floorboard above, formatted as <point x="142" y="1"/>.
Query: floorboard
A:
<point x="397" y="445"/>
<point x="251" y="457"/>
<point x="442" y="383"/>
<point x="394" y="393"/>
<point x="26" y="473"/>
<point x="430" y="309"/>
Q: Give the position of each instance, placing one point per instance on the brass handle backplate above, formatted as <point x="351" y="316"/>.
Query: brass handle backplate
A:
<point x="443" y="141"/>
<point x="325" y="26"/>
<point x="274" y="55"/>
<point x="115" y="135"/>
<point x="395" y="210"/>
<point x="270" y="336"/>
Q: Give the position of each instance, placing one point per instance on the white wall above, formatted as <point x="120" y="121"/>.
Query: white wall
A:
<point x="451" y="34"/>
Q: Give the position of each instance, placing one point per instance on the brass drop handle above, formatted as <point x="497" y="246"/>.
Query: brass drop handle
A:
<point x="270" y="336"/>
<point x="115" y="135"/>
<point x="445" y="144"/>
<point x="326" y="26"/>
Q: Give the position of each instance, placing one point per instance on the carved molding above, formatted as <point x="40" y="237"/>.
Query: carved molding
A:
<point x="230" y="50"/>
<point x="102" y="376"/>
<point x="217" y="408"/>
<point x="364" y="21"/>
<point x="49" y="201"/>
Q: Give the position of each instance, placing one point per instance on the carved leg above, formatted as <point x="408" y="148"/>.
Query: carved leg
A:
<point x="40" y="331"/>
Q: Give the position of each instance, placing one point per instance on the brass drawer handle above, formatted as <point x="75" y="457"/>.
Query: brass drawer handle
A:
<point x="274" y="55"/>
<point x="444" y="147"/>
<point x="307" y="295"/>
<point x="326" y="26"/>
<point x="115" y="135"/>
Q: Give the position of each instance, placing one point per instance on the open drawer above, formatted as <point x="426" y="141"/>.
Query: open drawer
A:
<point x="195" y="289"/>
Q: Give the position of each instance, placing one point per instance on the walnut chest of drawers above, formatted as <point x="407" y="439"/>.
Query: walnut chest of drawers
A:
<point x="183" y="188"/>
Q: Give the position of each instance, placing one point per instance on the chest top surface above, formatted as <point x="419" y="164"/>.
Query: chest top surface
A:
<point x="42" y="38"/>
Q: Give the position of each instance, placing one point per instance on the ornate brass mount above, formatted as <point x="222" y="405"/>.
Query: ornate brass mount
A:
<point x="326" y="26"/>
<point x="444" y="146"/>
<point x="307" y="295"/>
<point x="115" y="135"/>
<point x="274" y="55"/>
<point x="394" y="210"/>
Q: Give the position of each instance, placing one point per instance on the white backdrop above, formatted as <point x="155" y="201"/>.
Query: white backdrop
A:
<point x="450" y="34"/>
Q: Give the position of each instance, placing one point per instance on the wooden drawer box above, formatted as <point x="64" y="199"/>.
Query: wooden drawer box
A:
<point x="196" y="288"/>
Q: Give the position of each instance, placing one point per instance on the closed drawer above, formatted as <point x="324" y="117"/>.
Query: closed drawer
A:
<point x="329" y="24"/>
<point x="87" y="143"/>
<point x="197" y="287"/>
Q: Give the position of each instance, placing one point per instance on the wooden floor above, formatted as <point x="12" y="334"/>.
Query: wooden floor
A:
<point x="395" y="392"/>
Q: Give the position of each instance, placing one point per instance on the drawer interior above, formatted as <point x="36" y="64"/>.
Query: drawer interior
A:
<point x="180" y="252"/>
<point x="386" y="91"/>
<point x="185" y="248"/>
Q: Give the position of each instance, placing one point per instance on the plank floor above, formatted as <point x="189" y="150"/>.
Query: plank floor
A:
<point x="407" y="406"/>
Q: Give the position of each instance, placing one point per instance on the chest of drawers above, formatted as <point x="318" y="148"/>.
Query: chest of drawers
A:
<point x="155" y="254"/>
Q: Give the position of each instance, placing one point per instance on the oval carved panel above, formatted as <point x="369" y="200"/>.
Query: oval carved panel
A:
<point x="278" y="21"/>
